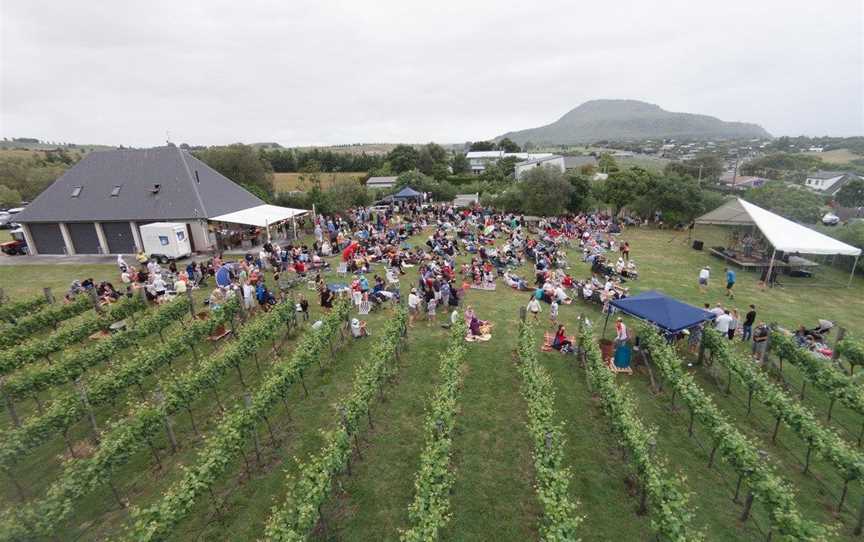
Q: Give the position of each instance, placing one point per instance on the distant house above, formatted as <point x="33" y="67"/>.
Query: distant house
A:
<point x="572" y="163"/>
<point x="828" y="182"/>
<point x="480" y="160"/>
<point x="466" y="200"/>
<point x="816" y="149"/>
<point x="743" y="182"/>
<point x="552" y="161"/>
<point x="98" y="205"/>
<point x="381" y="182"/>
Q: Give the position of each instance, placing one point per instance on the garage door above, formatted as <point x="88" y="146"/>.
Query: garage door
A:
<point x="84" y="237"/>
<point x="48" y="238"/>
<point x="119" y="237"/>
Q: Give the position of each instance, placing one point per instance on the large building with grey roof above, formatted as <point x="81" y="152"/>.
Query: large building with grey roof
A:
<point x="98" y="205"/>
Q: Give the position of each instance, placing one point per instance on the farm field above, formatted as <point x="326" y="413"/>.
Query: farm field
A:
<point x="836" y="156"/>
<point x="285" y="182"/>
<point x="493" y="493"/>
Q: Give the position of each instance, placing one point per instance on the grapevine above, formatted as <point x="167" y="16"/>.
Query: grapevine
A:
<point x="553" y="478"/>
<point x="826" y="443"/>
<point x="429" y="510"/>
<point x="671" y="514"/>
<point x="10" y="311"/>
<point x="39" y="378"/>
<point x="775" y="493"/>
<point x="837" y="385"/>
<point x="44" y="319"/>
<point x="307" y="491"/>
<point x="226" y="442"/>
<point x="35" y="349"/>
<point x="68" y="409"/>
<point x="126" y="436"/>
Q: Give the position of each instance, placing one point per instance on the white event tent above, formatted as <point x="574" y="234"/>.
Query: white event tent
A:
<point x="783" y="234"/>
<point x="262" y="216"/>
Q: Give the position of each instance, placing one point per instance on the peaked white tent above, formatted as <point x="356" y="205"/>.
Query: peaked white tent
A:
<point x="783" y="234"/>
<point x="262" y="216"/>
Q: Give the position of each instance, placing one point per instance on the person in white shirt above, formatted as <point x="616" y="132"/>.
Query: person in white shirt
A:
<point x="534" y="307"/>
<point x="704" y="275"/>
<point x="553" y="312"/>
<point x="723" y="322"/>
<point x="248" y="296"/>
<point x="413" y="304"/>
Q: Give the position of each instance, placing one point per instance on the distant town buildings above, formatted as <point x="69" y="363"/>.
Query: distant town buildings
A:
<point x="828" y="182"/>
<point x="553" y="161"/>
<point x="480" y="160"/>
<point x="376" y="183"/>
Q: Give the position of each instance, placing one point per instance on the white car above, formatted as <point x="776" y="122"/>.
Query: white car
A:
<point x="5" y="220"/>
<point x="15" y="211"/>
<point x="830" y="219"/>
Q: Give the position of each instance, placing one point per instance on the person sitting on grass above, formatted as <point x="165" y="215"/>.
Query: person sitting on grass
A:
<point x="560" y="342"/>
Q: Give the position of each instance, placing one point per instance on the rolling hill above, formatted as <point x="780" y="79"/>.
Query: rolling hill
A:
<point x="599" y="120"/>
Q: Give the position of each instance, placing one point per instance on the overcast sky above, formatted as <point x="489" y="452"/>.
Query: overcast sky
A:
<point x="320" y="72"/>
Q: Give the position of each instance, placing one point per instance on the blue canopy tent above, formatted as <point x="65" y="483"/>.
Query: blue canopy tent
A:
<point x="665" y="312"/>
<point x="407" y="193"/>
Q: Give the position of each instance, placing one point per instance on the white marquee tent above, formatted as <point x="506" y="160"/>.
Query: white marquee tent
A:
<point x="262" y="216"/>
<point x="783" y="234"/>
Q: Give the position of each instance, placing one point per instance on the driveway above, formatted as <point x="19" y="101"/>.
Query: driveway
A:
<point x="61" y="259"/>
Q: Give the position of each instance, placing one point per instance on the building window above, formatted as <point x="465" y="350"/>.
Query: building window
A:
<point x="116" y="191"/>
<point x="76" y="191"/>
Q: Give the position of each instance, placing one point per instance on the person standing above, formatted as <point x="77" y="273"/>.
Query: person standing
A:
<point x="733" y="325"/>
<point x="760" y="341"/>
<point x="620" y="331"/>
<point x="553" y="312"/>
<point x="723" y="322"/>
<point x="413" y="304"/>
<point x="704" y="275"/>
<point x="730" y="283"/>
<point x="747" y="326"/>
<point x="534" y="307"/>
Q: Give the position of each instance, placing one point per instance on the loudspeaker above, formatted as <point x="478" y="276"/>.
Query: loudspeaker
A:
<point x="697" y="244"/>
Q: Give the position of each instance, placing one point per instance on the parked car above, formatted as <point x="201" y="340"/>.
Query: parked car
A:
<point x="5" y="220"/>
<point x="830" y="219"/>
<point x="15" y="210"/>
<point x="17" y="246"/>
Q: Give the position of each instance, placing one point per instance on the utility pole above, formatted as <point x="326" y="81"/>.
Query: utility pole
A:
<point x="735" y="171"/>
<point x="700" y="175"/>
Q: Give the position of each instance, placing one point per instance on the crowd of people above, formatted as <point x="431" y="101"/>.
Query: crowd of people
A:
<point x="452" y="251"/>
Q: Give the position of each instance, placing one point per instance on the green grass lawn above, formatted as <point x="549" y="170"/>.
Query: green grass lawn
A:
<point x="493" y="496"/>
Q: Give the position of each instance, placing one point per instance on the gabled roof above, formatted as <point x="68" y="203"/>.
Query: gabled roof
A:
<point x="381" y="181"/>
<point x="783" y="234"/>
<point x="187" y="189"/>
<point x="825" y="174"/>
<point x="539" y="160"/>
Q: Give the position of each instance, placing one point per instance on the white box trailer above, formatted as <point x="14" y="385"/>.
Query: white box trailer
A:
<point x="166" y="241"/>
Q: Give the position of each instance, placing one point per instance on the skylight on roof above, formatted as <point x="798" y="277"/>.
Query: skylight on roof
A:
<point x="76" y="191"/>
